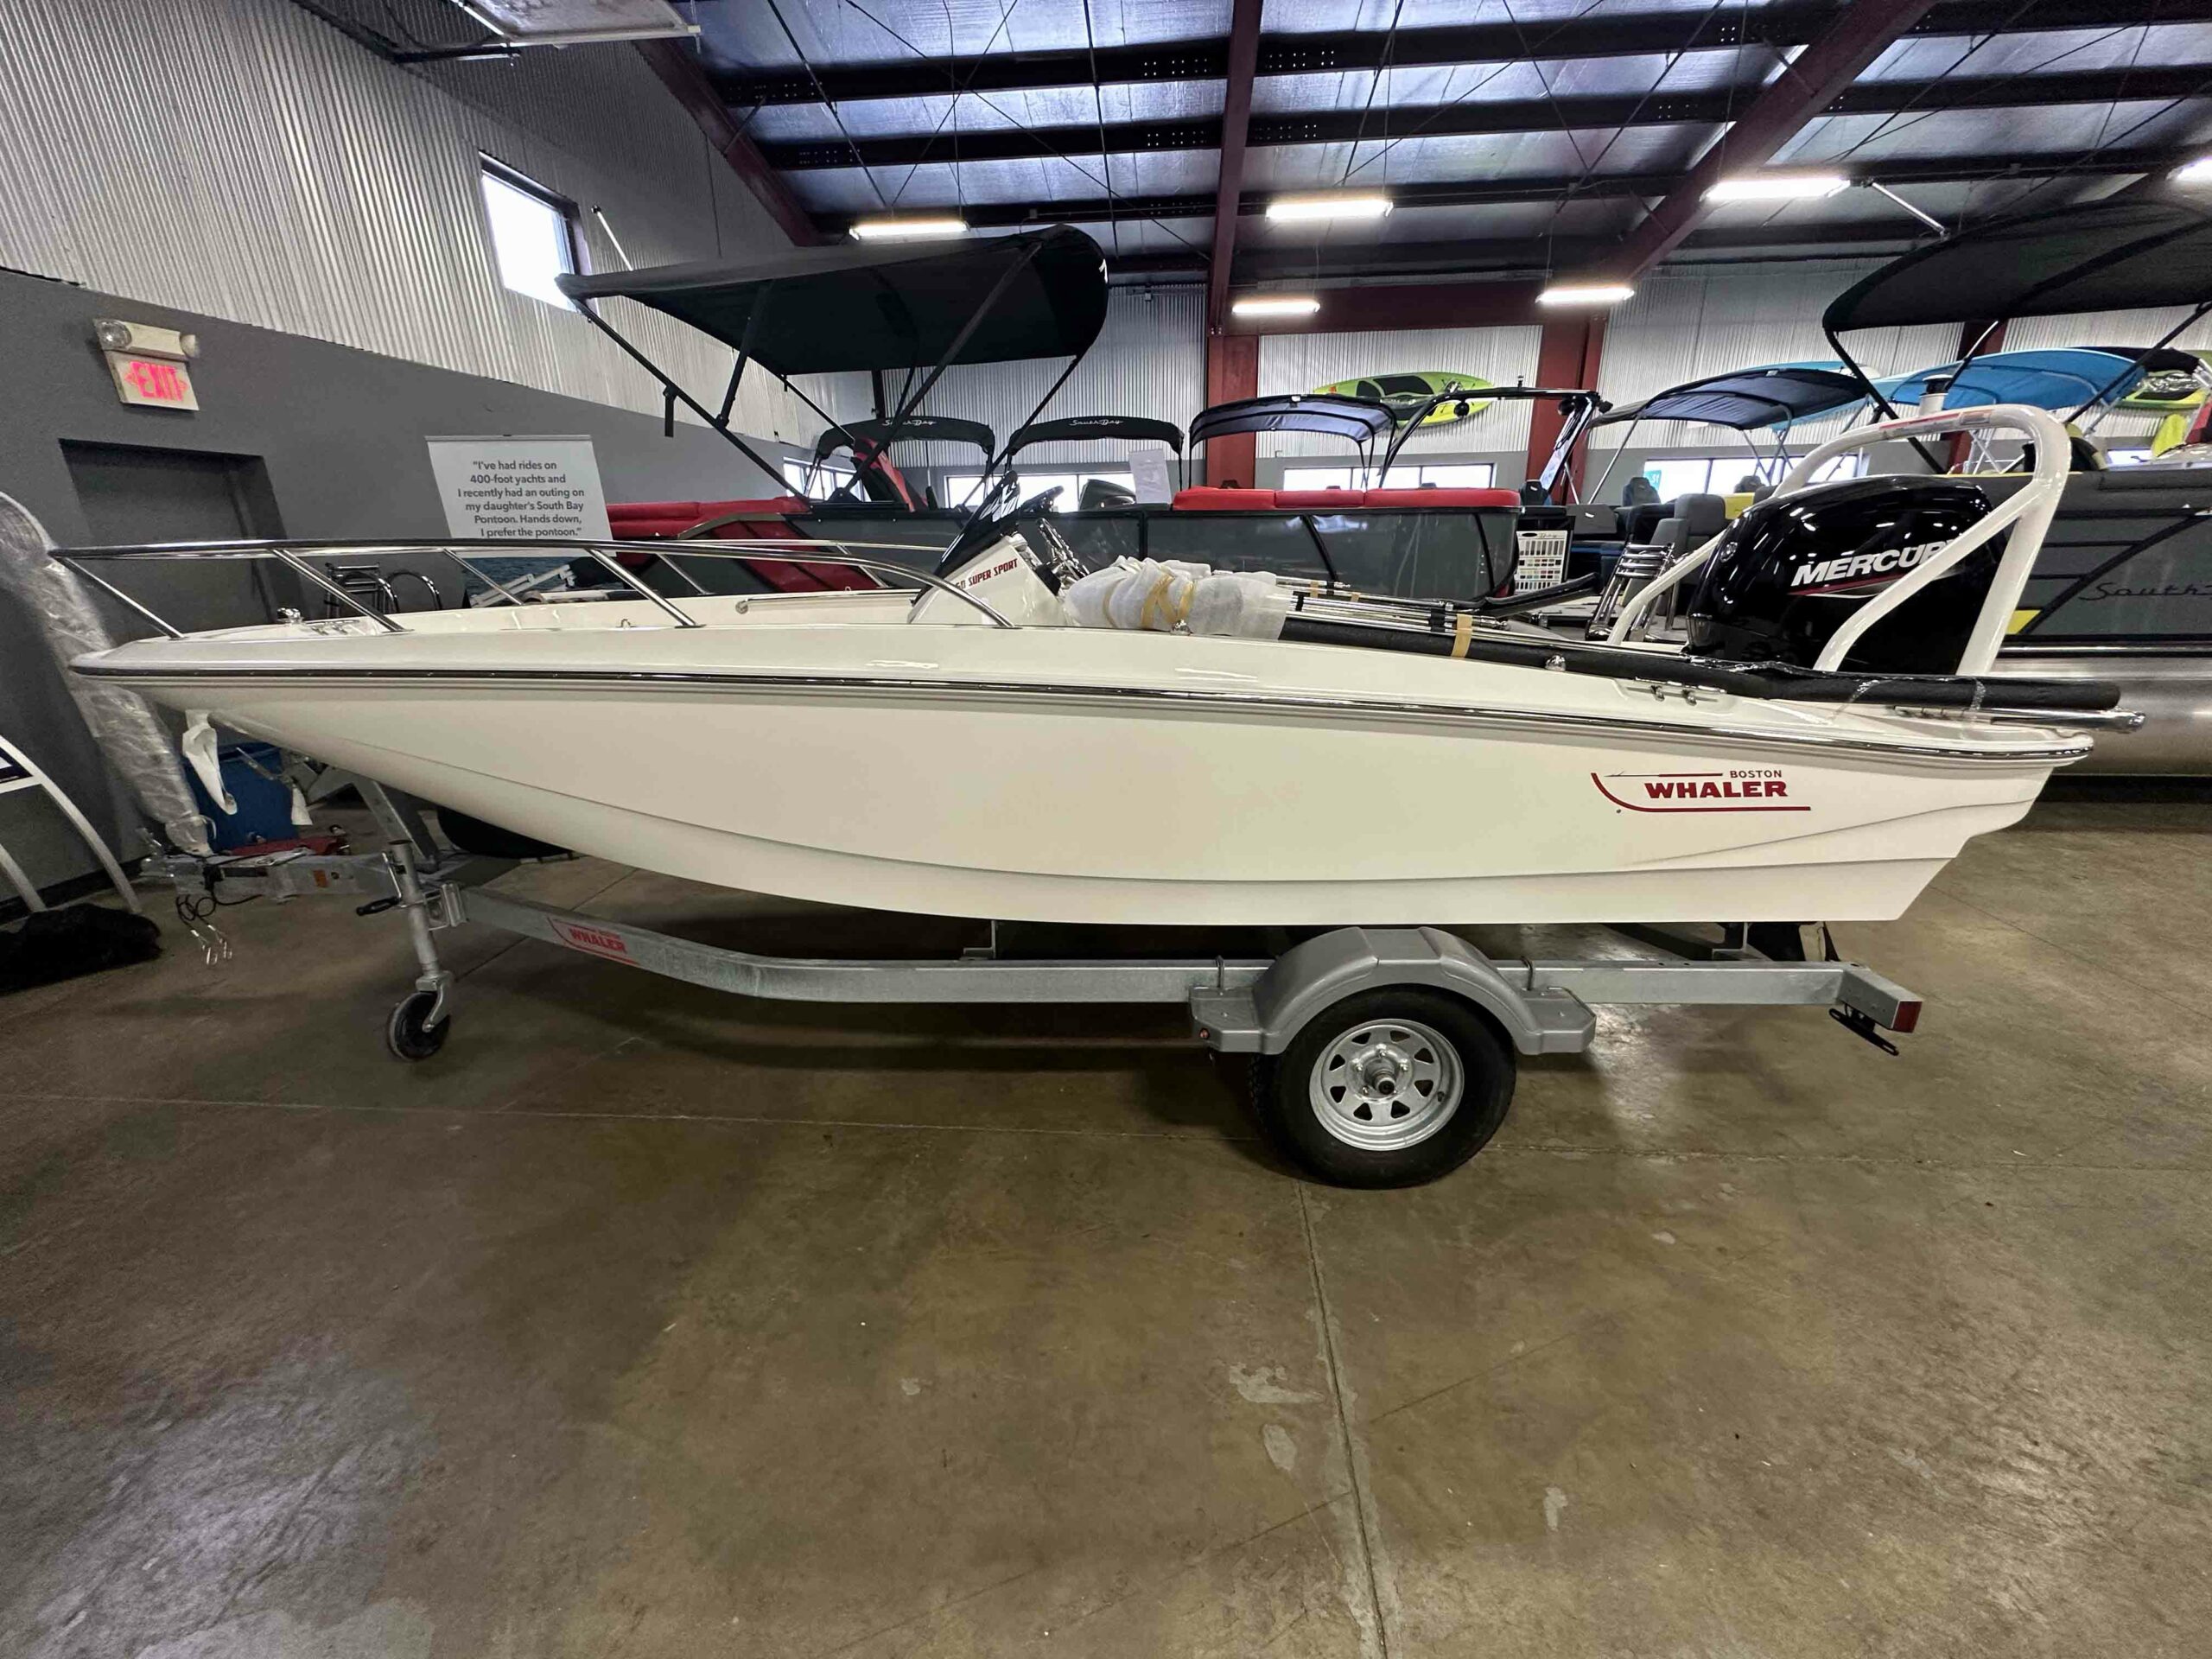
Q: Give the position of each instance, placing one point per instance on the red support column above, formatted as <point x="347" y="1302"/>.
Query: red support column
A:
<point x="1566" y="355"/>
<point x="1232" y="372"/>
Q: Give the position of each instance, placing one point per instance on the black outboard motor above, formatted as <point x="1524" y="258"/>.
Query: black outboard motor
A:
<point x="1791" y="571"/>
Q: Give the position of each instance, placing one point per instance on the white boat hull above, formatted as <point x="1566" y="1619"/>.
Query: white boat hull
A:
<point x="1074" y="776"/>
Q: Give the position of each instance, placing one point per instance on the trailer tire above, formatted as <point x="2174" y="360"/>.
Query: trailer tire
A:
<point x="407" y="1036"/>
<point x="1390" y="1088"/>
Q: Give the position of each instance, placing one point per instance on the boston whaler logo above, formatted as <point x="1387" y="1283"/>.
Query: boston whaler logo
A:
<point x="1741" y="789"/>
<point x="595" y="941"/>
<point x="1854" y="570"/>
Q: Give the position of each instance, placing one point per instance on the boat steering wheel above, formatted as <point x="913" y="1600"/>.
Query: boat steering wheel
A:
<point x="989" y="521"/>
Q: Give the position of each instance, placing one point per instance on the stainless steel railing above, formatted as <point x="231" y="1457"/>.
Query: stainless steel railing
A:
<point x="299" y="557"/>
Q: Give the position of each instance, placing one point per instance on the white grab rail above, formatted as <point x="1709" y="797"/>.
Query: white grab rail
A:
<point x="2030" y="509"/>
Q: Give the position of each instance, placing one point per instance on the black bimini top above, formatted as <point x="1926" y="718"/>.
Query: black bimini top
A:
<point x="1747" y="399"/>
<point x="1090" y="428"/>
<point x="899" y="306"/>
<point x="915" y="428"/>
<point x="2108" y="256"/>
<point x="1357" y="419"/>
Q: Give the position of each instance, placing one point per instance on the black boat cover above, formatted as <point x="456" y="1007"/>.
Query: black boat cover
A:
<point x="1091" y="429"/>
<point x="2108" y="256"/>
<point x="1746" y="399"/>
<point x="1357" y="419"/>
<point x="915" y="428"/>
<point x="899" y="306"/>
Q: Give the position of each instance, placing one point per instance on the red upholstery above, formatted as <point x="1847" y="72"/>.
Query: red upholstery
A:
<point x="767" y="520"/>
<point x="1213" y="500"/>
<point x="1460" y="499"/>
<point x="693" y="512"/>
<point x="1206" y="498"/>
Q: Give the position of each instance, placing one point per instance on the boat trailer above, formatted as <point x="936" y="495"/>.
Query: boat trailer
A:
<point x="1383" y="1056"/>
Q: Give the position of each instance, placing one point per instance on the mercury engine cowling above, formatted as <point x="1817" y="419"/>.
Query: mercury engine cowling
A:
<point x="1790" y="571"/>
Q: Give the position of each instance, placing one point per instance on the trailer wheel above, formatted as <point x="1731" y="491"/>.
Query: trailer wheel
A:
<point x="1390" y="1088"/>
<point x="407" y="1035"/>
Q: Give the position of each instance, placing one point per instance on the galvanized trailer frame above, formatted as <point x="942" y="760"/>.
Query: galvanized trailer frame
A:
<point x="1258" y="1005"/>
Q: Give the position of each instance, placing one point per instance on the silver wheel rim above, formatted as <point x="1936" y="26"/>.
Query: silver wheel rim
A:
<point x="1386" y="1084"/>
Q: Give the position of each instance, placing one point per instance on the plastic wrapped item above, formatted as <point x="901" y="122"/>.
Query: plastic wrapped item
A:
<point x="1174" y="597"/>
<point x="136" y="743"/>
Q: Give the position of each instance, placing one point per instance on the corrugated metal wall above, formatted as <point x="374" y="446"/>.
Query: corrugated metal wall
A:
<point x="1301" y="362"/>
<point x="1149" y="359"/>
<point x="243" y="159"/>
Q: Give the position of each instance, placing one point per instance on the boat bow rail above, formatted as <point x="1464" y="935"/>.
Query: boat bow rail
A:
<point x="303" y="558"/>
<point x="1322" y="615"/>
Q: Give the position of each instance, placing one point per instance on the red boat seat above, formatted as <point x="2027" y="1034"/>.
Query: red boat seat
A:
<point x="1461" y="501"/>
<point x="1206" y="498"/>
<point x="767" y="519"/>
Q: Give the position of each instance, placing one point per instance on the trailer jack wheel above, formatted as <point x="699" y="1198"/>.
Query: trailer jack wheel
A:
<point x="1390" y="1088"/>
<point x="408" y="1034"/>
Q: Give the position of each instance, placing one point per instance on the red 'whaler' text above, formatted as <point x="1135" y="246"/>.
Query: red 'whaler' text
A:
<point x="1728" y="789"/>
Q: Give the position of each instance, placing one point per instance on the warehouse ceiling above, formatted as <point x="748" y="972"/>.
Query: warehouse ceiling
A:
<point x="1512" y="135"/>
<point x="1523" y="137"/>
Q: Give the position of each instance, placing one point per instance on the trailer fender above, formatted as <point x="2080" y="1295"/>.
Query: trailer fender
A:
<point x="1325" y="970"/>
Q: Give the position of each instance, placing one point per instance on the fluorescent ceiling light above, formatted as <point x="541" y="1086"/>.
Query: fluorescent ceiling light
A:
<point x="2198" y="171"/>
<point x="1777" y="186"/>
<point x="578" y="23"/>
<point x="888" y="230"/>
<point x="1585" y="294"/>
<point x="1329" y="207"/>
<point x="1276" y="305"/>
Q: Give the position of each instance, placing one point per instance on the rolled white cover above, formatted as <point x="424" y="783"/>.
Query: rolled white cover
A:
<point x="135" y="744"/>
<point x="1175" y="597"/>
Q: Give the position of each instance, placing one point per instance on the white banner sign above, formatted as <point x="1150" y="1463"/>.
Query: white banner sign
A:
<point x="499" y="488"/>
<point x="1149" y="469"/>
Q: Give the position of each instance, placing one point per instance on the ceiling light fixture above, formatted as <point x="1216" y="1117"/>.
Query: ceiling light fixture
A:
<point x="1276" y="305"/>
<point x="1778" y="187"/>
<point x="2196" y="172"/>
<point x="893" y="230"/>
<point x="1585" y="294"/>
<point x="1329" y="207"/>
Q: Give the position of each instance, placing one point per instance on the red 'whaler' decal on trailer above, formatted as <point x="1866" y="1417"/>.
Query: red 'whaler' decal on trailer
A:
<point x="598" y="941"/>
<point x="1698" y="792"/>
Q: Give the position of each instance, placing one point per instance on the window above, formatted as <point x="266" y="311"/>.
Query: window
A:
<point x="533" y="233"/>
<point x="1442" y="475"/>
<point x="816" y="483"/>
<point x="1679" y="475"/>
<point x="961" y="489"/>
<point x="2126" y="457"/>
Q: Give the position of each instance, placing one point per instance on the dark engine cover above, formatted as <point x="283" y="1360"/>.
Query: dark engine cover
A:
<point x="1791" y="571"/>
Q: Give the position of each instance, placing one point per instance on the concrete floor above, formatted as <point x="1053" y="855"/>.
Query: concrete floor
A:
<point x="648" y="1322"/>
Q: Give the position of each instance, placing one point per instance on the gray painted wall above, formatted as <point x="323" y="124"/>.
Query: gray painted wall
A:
<point x="340" y="432"/>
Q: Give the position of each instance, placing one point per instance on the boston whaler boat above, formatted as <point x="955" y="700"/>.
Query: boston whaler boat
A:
<point x="1227" y="750"/>
<point x="1024" y="739"/>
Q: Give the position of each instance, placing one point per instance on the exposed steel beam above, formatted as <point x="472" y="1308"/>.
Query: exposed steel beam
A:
<point x="1817" y="78"/>
<point x="1505" y="192"/>
<point x="1236" y="118"/>
<point x="1780" y="26"/>
<point x="1477" y="117"/>
<point x="680" y="72"/>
